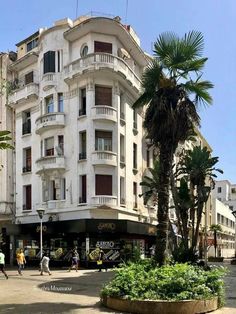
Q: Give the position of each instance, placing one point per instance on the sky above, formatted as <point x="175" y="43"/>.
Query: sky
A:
<point x="216" y="19"/>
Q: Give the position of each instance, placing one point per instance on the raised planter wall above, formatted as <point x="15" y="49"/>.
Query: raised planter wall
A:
<point x="164" y="307"/>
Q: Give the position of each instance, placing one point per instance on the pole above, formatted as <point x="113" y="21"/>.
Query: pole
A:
<point x="205" y="247"/>
<point x="41" y="239"/>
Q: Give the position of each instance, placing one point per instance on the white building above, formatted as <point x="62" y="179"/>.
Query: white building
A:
<point x="80" y="148"/>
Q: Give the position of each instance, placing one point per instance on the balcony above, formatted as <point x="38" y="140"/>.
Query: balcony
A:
<point x="50" y="163"/>
<point x="49" y="80"/>
<point x="25" y="93"/>
<point x="108" y="200"/>
<point x="105" y="158"/>
<point x="50" y="121"/>
<point x="104" y="113"/>
<point x="98" y="61"/>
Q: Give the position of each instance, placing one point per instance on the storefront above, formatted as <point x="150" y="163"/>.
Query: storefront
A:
<point x="119" y="239"/>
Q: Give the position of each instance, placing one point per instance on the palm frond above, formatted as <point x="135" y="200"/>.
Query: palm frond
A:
<point x="200" y="90"/>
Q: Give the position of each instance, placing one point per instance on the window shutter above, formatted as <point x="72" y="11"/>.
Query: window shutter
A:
<point x="103" y="184"/>
<point x="49" y="62"/>
<point x="29" y="78"/>
<point x="102" y="47"/>
<point x="103" y="96"/>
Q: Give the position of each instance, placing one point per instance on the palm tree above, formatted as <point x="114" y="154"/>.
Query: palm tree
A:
<point x="215" y="229"/>
<point x="198" y="165"/>
<point x="172" y="88"/>
<point x="4" y="138"/>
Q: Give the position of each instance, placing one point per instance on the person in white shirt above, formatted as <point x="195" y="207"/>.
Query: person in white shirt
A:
<point x="44" y="265"/>
<point x="2" y="263"/>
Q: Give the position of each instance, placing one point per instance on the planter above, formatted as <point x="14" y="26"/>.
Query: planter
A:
<point x="165" y="307"/>
<point x="215" y="259"/>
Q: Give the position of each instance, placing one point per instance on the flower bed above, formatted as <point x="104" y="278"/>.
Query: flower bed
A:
<point x="142" y="282"/>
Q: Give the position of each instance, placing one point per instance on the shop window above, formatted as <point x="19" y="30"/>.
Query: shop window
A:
<point x="60" y="102"/>
<point x="27" y="197"/>
<point x="103" y="184"/>
<point x="103" y="96"/>
<point x="82" y="109"/>
<point x="49" y="146"/>
<point x="103" y="141"/>
<point x="100" y="46"/>
<point x="83" y="144"/>
<point x="29" y="78"/>
<point x="27" y="160"/>
<point x="49" y="104"/>
<point x="26" y="122"/>
<point x="49" y="62"/>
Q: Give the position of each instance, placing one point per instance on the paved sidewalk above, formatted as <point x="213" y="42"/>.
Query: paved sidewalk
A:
<point x="71" y="292"/>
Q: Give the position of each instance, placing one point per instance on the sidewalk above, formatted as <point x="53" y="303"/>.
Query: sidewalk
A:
<point x="72" y="292"/>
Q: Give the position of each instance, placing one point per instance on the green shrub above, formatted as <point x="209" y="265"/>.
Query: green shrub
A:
<point x="174" y="282"/>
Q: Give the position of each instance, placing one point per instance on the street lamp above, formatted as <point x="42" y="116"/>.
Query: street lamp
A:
<point x="40" y="212"/>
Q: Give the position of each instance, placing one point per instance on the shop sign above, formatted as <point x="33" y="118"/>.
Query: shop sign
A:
<point x="105" y="244"/>
<point x="106" y="226"/>
<point x="44" y="228"/>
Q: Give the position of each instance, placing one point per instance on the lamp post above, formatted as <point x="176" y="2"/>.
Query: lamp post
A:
<point x="40" y="212"/>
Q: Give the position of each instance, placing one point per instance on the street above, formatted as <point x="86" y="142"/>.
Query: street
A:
<point x="71" y="292"/>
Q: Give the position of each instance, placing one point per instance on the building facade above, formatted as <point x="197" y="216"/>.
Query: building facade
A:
<point x="80" y="147"/>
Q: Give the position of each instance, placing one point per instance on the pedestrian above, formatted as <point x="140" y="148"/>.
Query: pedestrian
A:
<point x="44" y="264"/>
<point x="20" y="258"/>
<point x="2" y="263"/>
<point x="26" y="253"/>
<point x="74" y="259"/>
<point x="100" y="260"/>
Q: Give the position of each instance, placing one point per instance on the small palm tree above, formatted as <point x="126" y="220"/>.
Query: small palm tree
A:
<point x="172" y="89"/>
<point x="216" y="229"/>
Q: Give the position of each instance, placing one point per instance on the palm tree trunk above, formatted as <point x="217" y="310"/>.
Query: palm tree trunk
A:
<point x="166" y="158"/>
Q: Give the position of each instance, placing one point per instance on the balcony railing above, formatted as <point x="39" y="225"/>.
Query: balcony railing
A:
<point x="48" y="80"/>
<point x="104" y="113"/>
<point x="107" y="200"/>
<point x="24" y="93"/>
<point x="50" y="163"/>
<point x="26" y="169"/>
<point x="82" y="156"/>
<point x="50" y="121"/>
<point x="104" y="60"/>
<point x="104" y="158"/>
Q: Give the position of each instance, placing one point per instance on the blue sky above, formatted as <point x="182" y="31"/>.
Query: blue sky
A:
<point x="216" y="19"/>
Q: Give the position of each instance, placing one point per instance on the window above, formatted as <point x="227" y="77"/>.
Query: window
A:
<point x="103" y="141"/>
<point x="103" y="184"/>
<point x="218" y="218"/>
<point x="84" y="51"/>
<point x="54" y="189"/>
<point x="135" y="119"/>
<point x="60" y="147"/>
<point x="83" y="189"/>
<point x="233" y="190"/>
<point x="49" y="146"/>
<point x="82" y="137"/>
<point x="82" y="110"/>
<point x="27" y="162"/>
<point x="122" y="190"/>
<point x="32" y="44"/>
<point x="58" y="61"/>
<point x="49" y="62"/>
<point x="102" y="47"/>
<point x="26" y="122"/>
<point x="122" y="148"/>
<point x="219" y="190"/>
<point x="60" y="102"/>
<point x="27" y="197"/>
<point x="29" y="78"/>
<point x="103" y="96"/>
<point x="134" y="156"/>
<point x="49" y="104"/>
<point x="135" y="195"/>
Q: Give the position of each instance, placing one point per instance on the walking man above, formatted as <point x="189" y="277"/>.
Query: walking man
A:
<point x="20" y="258"/>
<point x="2" y="263"/>
<point x="44" y="265"/>
<point x="74" y="259"/>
